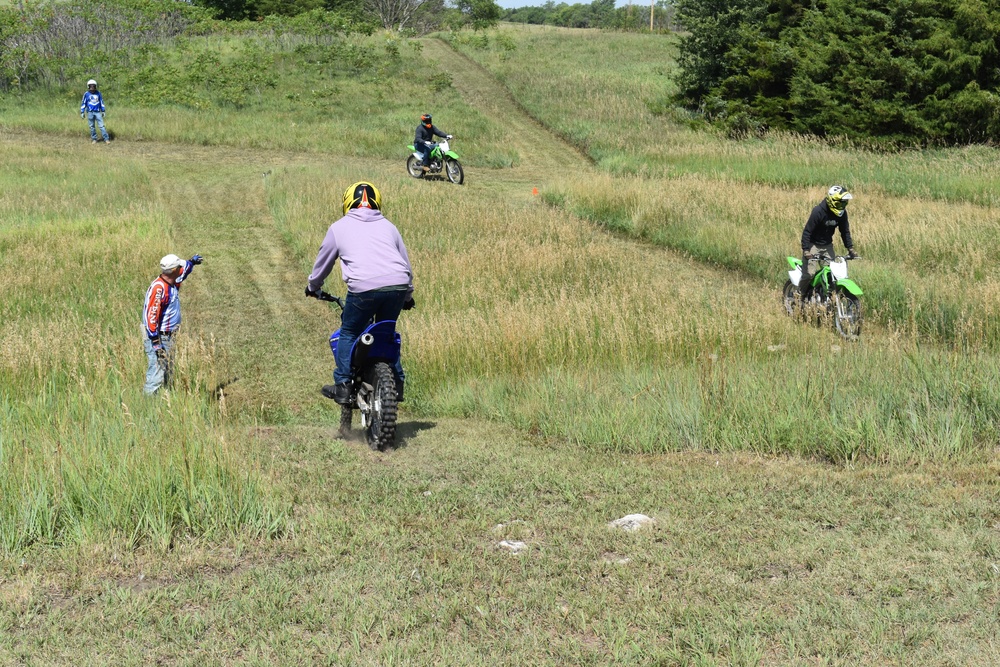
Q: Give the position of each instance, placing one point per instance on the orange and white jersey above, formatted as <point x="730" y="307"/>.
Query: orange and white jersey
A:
<point x="161" y="313"/>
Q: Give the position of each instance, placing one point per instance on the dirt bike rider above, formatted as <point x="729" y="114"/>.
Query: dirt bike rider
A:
<point x="376" y="268"/>
<point x="423" y="142"/>
<point x="817" y="237"/>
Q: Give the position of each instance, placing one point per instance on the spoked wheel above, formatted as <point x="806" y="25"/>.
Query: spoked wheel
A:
<point x="847" y="314"/>
<point x="381" y="431"/>
<point x="790" y="295"/>
<point x="453" y="169"/>
<point x="346" y="414"/>
<point x="413" y="166"/>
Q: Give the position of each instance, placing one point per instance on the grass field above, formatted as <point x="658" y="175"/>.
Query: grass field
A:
<point x="597" y="350"/>
<point x="923" y="220"/>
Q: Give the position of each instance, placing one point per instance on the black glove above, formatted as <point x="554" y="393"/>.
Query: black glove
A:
<point x="313" y="294"/>
<point x="409" y="303"/>
<point x="852" y="255"/>
<point x="197" y="259"/>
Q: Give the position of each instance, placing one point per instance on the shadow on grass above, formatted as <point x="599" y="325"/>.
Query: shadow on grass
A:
<point x="404" y="431"/>
<point x="407" y="430"/>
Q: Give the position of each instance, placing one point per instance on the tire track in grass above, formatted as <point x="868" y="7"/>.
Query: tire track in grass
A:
<point x="542" y="153"/>
<point x="249" y="291"/>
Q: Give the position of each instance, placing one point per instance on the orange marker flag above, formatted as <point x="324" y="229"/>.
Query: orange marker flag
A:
<point x="534" y="191"/>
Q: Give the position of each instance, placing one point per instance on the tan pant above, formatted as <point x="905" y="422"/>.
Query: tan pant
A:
<point x="811" y="266"/>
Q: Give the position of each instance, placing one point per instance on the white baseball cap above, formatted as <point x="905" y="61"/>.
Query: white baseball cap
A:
<point x="171" y="262"/>
<point x="91" y="83"/>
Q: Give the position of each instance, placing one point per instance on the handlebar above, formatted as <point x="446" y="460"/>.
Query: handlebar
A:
<point x="838" y="257"/>
<point x="324" y="296"/>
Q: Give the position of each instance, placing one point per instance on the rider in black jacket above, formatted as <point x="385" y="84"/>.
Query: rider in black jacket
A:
<point x="423" y="142"/>
<point x="817" y="237"/>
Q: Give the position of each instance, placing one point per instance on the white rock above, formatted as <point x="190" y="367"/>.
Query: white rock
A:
<point x="513" y="546"/>
<point x="631" y="522"/>
<point x="427" y="493"/>
<point x="612" y="559"/>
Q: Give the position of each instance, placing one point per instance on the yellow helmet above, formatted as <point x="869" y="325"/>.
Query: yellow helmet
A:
<point x="362" y="195"/>
<point x="837" y="198"/>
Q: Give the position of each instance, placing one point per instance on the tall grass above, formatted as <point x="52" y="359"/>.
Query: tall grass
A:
<point x="928" y="270"/>
<point x="610" y="94"/>
<point x="84" y="456"/>
<point x="529" y="316"/>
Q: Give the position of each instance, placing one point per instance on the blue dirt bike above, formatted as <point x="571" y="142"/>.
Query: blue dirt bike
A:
<point x="373" y="385"/>
<point x="832" y="295"/>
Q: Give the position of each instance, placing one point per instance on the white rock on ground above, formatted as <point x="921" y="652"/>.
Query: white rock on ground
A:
<point x="513" y="546"/>
<point x="631" y="522"/>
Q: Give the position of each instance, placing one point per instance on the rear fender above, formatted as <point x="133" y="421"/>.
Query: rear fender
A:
<point x="850" y="286"/>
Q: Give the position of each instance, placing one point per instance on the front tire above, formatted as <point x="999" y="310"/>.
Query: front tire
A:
<point x="381" y="432"/>
<point x="453" y="170"/>
<point x="413" y="167"/>
<point x="847" y="314"/>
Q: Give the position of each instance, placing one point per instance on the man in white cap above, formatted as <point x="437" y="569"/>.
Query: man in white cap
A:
<point x="92" y="108"/>
<point x="161" y="316"/>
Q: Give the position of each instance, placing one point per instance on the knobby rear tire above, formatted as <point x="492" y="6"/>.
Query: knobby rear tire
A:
<point x="413" y="167"/>
<point x="346" y="414"/>
<point x="381" y="432"/>
<point x="790" y="296"/>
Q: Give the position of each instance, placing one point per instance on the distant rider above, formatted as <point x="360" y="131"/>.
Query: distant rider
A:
<point x="161" y="317"/>
<point x="817" y="237"/>
<point x="423" y="142"/>
<point x="92" y="108"/>
<point x="376" y="268"/>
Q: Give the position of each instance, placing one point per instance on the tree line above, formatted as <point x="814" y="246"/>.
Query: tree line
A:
<point x="413" y="15"/>
<point x="882" y="71"/>
<point x="597" y="14"/>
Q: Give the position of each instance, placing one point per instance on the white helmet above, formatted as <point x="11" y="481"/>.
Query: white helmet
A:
<point x="91" y="83"/>
<point x="170" y="262"/>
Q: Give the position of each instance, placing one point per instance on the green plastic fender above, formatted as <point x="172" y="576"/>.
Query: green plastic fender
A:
<point x="794" y="262"/>
<point x="850" y="286"/>
<point x="452" y="154"/>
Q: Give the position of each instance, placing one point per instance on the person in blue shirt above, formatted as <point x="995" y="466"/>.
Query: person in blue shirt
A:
<point x="92" y="108"/>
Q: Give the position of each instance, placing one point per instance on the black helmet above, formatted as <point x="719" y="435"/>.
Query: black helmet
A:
<point x="426" y="119"/>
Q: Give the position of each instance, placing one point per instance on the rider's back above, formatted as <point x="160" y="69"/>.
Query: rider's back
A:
<point x="371" y="251"/>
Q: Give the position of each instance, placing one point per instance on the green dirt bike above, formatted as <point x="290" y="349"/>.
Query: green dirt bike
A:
<point x="832" y="295"/>
<point x="442" y="157"/>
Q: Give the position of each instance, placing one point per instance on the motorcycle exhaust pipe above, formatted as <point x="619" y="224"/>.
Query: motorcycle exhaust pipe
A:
<point x="367" y="339"/>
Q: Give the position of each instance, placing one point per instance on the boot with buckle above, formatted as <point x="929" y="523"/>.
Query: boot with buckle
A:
<point x="340" y="393"/>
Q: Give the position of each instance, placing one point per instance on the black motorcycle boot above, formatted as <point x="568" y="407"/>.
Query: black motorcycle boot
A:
<point x="340" y="393"/>
<point x="399" y="391"/>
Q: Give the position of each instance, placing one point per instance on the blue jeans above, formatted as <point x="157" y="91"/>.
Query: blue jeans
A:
<point x="359" y="309"/>
<point x="425" y="152"/>
<point x="158" y="373"/>
<point x="99" y="117"/>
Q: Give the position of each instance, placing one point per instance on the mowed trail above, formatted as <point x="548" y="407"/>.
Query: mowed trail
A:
<point x="543" y="154"/>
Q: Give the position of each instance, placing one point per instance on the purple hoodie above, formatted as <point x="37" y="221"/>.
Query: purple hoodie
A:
<point x="371" y="253"/>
